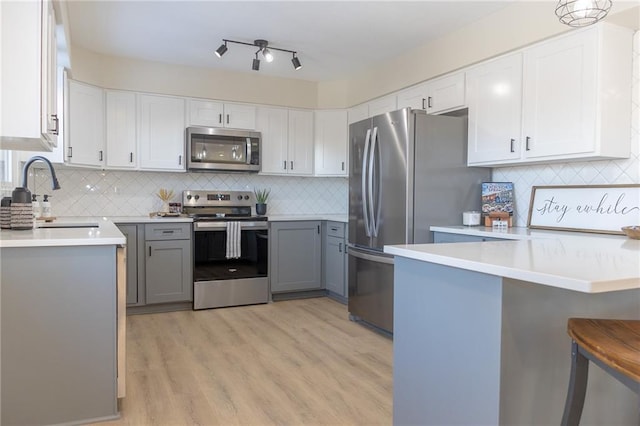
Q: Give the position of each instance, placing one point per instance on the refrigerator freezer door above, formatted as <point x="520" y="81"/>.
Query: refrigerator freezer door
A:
<point x="371" y="287"/>
<point x="391" y="173"/>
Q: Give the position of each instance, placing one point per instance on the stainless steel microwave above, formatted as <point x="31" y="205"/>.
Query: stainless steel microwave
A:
<point x="230" y="150"/>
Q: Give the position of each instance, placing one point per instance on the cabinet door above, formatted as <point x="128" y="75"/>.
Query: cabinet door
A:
<point x="162" y="132"/>
<point x="334" y="265"/>
<point x="382" y="105"/>
<point x="50" y="122"/>
<point x="300" y="147"/>
<point x="206" y="113"/>
<point x="86" y="125"/>
<point x="494" y="96"/>
<point x="121" y="129"/>
<point x="414" y="97"/>
<point x="331" y="143"/>
<point x="131" y="233"/>
<point x="559" y="105"/>
<point x="445" y="94"/>
<point x="295" y="256"/>
<point x="167" y="267"/>
<point x="273" y="124"/>
<point x="238" y="116"/>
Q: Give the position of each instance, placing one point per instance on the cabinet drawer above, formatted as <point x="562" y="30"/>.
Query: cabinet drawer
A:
<point x="167" y="231"/>
<point x="335" y="229"/>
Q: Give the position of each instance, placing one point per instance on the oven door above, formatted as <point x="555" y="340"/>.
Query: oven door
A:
<point x="220" y="281"/>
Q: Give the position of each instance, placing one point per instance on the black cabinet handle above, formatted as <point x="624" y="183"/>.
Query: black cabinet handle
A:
<point x="180" y="160"/>
<point x="285" y="165"/>
<point x="343" y="166"/>
<point x="340" y="247"/>
<point x="220" y="118"/>
<point x="70" y="154"/>
<point x="167" y="232"/>
<point x="227" y="118"/>
<point x="149" y="251"/>
<point x="512" y="141"/>
<point x="100" y="155"/>
<point x="423" y="99"/>
<point x="318" y="229"/>
<point x="527" y="144"/>
<point x="131" y="157"/>
<point x="292" y="165"/>
<point x="429" y="102"/>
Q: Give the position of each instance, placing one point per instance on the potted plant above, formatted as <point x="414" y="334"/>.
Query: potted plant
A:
<point x="261" y="200"/>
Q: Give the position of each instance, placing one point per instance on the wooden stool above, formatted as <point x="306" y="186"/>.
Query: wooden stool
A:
<point x="613" y="345"/>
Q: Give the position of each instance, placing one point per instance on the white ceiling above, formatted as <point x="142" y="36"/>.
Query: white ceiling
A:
<point x="333" y="39"/>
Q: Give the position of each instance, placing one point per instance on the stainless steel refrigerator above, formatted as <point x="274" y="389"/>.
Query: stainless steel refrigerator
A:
<point x="407" y="172"/>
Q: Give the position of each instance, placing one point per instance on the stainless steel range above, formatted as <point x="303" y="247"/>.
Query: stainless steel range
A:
<point x="230" y="253"/>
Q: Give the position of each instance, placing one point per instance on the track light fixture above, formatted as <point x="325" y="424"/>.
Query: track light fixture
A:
<point x="267" y="53"/>
<point x="580" y="13"/>
<point x="221" y="50"/>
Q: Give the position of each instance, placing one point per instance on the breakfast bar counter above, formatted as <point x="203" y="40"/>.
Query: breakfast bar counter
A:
<point x="480" y="328"/>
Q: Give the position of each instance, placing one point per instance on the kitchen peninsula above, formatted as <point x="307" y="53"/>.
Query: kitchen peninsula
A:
<point x="62" y="333"/>
<point x="480" y="328"/>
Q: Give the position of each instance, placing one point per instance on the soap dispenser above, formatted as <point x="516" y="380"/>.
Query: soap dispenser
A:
<point x="46" y="206"/>
<point x="35" y="205"/>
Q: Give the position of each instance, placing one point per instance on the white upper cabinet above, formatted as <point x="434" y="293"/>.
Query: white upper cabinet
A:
<point x="358" y="113"/>
<point x="161" y="124"/>
<point x="272" y="123"/>
<point x="300" y="148"/>
<point x="120" y="118"/>
<point x="576" y="96"/>
<point x="494" y="95"/>
<point x="28" y="107"/>
<point x="287" y="141"/>
<point x="85" y="130"/>
<point x="218" y="114"/>
<point x="382" y="105"/>
<point x="435" y="96"/>
<point x="331" y="143"/>
<point x="576" y="101"/>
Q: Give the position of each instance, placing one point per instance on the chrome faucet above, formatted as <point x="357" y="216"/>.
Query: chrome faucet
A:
<point x="25" y="171"/>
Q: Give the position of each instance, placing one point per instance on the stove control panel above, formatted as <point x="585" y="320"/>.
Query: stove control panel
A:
<point x="217" y="198"/>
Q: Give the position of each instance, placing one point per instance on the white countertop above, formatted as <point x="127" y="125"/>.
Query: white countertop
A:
<point x="514" y="233"/>
<point x="587" y="263"/>
<point x="106" y="233"/>
<point x="290" y="218"/>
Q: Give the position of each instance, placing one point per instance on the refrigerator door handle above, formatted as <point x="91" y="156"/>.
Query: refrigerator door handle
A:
<point x="372" y="150"/>
<point x="352" y="251"/>
<point x="375" y="174"/>
<point x="365" y="209"/>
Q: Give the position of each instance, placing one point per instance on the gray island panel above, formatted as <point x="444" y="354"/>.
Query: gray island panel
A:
<point x="58" y="334"/>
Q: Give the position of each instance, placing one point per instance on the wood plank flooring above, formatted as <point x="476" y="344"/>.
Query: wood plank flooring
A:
<point x="299" y="362"/>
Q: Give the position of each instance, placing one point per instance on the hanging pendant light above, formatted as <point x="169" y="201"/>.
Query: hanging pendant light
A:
<point x="581" y="13"/>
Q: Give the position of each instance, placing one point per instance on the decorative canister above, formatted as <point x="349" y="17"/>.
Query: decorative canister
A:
<point x="5" y="213"/>
<point x="21" y="209"/>
<point x="471" y="218"/>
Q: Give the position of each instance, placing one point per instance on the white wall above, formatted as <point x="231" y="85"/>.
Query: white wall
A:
<point x="579" y="173"/>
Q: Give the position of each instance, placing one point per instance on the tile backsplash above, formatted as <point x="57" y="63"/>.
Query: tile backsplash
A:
<point x="87" y="192"/>
<point x="579" y="173"/>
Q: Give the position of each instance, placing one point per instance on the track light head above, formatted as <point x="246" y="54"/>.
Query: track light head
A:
<point x="296" y="62"/>
<point x="221" y="50"/>
<point x="267" y="55"/>
<point x="256" y="63"/>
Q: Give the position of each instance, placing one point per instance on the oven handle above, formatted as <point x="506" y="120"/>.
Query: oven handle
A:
<point x="206" y="226"/>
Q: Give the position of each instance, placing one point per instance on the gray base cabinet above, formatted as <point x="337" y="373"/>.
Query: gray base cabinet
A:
<point x="444" y="237"/>
<point x="168" y="268"/>
<point x="295" y="257"/>
<point x="335" y="258"/>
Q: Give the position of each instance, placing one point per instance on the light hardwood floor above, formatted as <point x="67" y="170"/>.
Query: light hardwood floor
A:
<point x="299" y="362"/>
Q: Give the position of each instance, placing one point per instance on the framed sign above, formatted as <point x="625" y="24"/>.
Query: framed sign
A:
<point x="600" y="209"/>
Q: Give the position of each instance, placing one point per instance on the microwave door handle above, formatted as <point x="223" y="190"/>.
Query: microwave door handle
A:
<point x="248" y="151"/>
